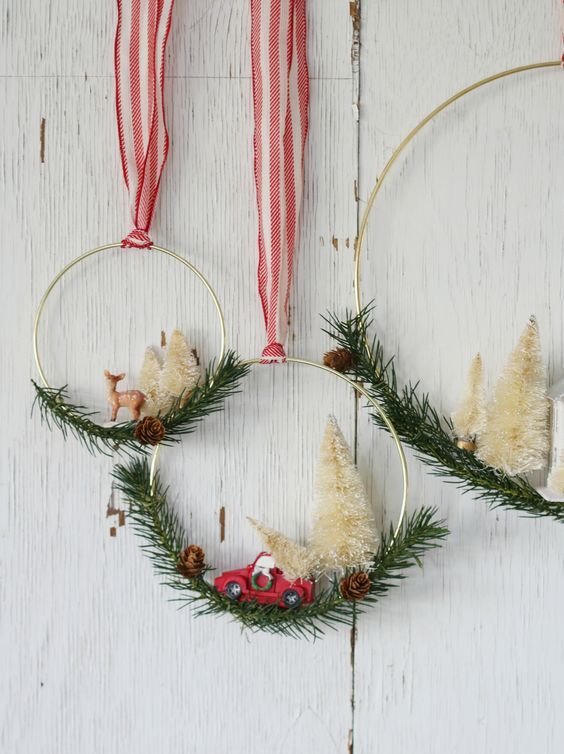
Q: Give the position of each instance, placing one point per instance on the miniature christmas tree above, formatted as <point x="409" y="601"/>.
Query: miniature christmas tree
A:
<point x="293" y="559"/>
<point x="149" y="382"/>
<point x="469" y="419"/>
<point x="344" y="533"/>
<point x="516" y="436"/>
<point x="181" y="371"/>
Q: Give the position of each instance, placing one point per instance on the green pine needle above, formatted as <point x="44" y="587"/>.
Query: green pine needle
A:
<point x="421" y="427"/>
<point x="164" y="538"/>
<point x="181" y="419"/>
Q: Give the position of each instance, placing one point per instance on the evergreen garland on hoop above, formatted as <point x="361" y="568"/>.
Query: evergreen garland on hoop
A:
<point x="180" y="419"/>
<point x="421" y="427"/>
<point x="164" y="541"/>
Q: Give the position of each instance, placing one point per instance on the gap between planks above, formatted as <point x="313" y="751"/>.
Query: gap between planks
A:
<point x="355" y="10"/>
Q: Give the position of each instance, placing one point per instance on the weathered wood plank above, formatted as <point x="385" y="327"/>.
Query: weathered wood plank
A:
<point x="465" y="243"/>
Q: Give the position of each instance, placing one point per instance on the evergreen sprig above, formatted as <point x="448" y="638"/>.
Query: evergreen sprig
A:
<point x="420" y="426"/>
<point x="164" y="538"/>
<point x="181" y="419"/>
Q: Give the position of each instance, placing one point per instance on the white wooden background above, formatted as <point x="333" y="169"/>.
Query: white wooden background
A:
<point x="467" y="656"/>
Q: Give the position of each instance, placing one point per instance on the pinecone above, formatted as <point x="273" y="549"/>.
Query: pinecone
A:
<point x="355" y="586"/>
<point x="149" y="431"/>
<point x="191" y="561"/>
<point x="339" y="359"/>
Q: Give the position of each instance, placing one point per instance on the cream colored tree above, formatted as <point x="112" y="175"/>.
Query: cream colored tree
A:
<point x="164" y="383"/>
<point x="149" y="382"/>
<point x="469" y="419"/>
<point x="344" y="533"/>
<point x="293" y="559"/>
<point x="516" y="436"/>
<point x="181" y="371"/>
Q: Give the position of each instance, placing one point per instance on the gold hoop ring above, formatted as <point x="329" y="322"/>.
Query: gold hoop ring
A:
<point x="107" y="247"/>
<point x="359" y="389"/>
<point x="399" y="149"/>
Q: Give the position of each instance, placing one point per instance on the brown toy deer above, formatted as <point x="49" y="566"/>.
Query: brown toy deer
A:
<point x="131" y="399"/>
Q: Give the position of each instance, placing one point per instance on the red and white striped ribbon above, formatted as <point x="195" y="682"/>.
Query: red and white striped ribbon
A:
<point x="280" y="100"/>
<point x="141" y="37"/>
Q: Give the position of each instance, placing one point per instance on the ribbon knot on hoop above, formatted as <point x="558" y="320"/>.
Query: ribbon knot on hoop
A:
<point x="272" y="353"/>
<point x="137" y="239"/>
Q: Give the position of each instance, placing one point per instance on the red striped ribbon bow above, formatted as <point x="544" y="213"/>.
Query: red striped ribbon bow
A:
<point x="141" y="37"/>
<point x="280" y="101"/>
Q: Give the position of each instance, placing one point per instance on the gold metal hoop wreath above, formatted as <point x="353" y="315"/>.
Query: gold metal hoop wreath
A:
<point x="56" y="408"/>
<point x="407" y="140"/>
<point x="420" y="425"/>
<point x="373" y="403"/>
<point x="161" y="529"/>
<point x="108" y="247"/>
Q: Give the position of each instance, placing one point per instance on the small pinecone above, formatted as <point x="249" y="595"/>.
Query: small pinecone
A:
<point x="191" y="561"/>
<point x="355" y="586"/>
<point x="340" y="360"/>
<point x="149" y="431"/>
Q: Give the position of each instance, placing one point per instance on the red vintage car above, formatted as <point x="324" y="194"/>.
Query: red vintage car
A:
<point x="264" y="582"/>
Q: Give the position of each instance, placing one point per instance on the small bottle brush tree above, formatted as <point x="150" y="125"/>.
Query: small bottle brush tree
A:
<point x="469" y="419"/>
<point x="149" y="382"/>
<point x="181" y="371"/>
<point x="344" y="533"/>
<point x="293" y="559"/>
<point x="515" y="439"/>
<point x="162" y="384"/>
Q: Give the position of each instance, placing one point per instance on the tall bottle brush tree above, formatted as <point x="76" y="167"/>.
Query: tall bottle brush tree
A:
<point x="515" y="439"/>
<point x="344" y="532"/>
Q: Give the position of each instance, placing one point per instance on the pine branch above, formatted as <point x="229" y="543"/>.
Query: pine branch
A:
<point x="206" y="398"/>
<point x="183" y="417"/>
<point x="420" y="533"/>
<point x="56" y="410"/>
<point x="164" y="538"/>
<point x="421" y="427"/>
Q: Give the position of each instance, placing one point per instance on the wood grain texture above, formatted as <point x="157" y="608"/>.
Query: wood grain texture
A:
<point x="465" y="243"/>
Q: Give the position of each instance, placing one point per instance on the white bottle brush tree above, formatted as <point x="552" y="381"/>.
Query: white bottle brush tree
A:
<point x="181" y="370"/>
<point x="469" y="419"/>
<point x="175" y="378"/>
<point x="149" y="382"/>
<point x="344" y="532"/>
<point x="293" y="559"/>
<point x="515" y="439"/>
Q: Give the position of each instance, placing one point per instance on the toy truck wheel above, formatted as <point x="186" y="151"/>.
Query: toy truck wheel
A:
<point x="291" y="598"/>
<point x="233" y="590"/>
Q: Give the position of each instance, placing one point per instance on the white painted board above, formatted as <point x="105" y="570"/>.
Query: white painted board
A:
<point x="466" y="242"/>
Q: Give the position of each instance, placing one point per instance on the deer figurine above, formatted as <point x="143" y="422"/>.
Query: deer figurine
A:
<point x="131" y="399"/>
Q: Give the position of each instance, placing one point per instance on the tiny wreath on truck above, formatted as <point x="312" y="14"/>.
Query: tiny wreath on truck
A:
<point x="264" y="582"/>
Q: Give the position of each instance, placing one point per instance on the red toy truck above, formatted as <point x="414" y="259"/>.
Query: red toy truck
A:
<point x="264" y="582"/>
